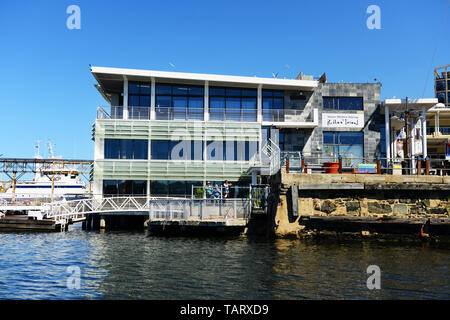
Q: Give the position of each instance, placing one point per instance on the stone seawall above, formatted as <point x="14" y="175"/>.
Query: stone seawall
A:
<point x="405" y="198"/>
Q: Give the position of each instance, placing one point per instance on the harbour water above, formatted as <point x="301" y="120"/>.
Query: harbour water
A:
<point x="134" y="265"/>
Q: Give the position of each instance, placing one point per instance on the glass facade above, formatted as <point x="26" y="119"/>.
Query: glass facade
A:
<point x="126" y="149"/>
<point x="173" y="188"/>
<point x="440" y="85"/>
<point x="273" y="105"/>
<point x="231" y="150"/>
<point x="179" y="102"/>
<point x="124" y="187"/>
<point x="139" y="100"/>
<point x="349" y="145"/>
<point x="177" y="150"/>
<point x="232" y="104"/>
<point x="343" y="103"/>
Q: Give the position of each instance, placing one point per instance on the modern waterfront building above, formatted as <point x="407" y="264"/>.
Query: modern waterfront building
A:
<point x="164" y="132"/>
<point x="442" y="84"/>
<point x="438" y="117"/>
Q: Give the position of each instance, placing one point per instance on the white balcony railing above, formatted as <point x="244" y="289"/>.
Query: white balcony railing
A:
<point x="307" y="118"/>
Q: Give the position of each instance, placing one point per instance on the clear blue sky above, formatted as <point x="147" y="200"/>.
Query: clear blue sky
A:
<point x="47" y="89"/>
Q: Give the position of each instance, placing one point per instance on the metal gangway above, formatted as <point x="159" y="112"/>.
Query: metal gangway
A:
<point x="228" y="211"/>
<point x="272" y="152"/>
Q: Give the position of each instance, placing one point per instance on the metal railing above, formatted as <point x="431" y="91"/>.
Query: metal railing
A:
<point x="200" y="209"/>
<point x="239" y="115"/>
<point x="354" y="164"/>
<point x="442" y="131"/>
<point x="36" y="199"/>
<point x="157" y="208"/>
<point x="219" y="192"/>
<point x="215" y="114"/>
<point x="272" y="152"/>
<point x="287" y="115"/>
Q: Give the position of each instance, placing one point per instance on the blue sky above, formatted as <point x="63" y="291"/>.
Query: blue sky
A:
<point x="47" y="89"/>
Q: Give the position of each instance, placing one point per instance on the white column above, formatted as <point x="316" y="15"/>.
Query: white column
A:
<point x="206" y="102"/>
<point x="125" y="98"/>
<point x="413" y="144"/>
<point x="424" y="134"/>
<point x="259" y="116"/>
<point x="259" y="119"/>
<point x="387" y="134"/>
<point x="97" y="189"/>
<point x="153" y="101"/>
<point x="438" y="128"/>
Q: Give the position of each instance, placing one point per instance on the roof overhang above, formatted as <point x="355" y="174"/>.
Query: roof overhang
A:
<point x="413" y="104"/>
<point x="110" y="80"/>
<point x="439" y="110"/>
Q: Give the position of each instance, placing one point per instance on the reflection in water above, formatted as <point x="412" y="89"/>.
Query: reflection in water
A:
<point x="134" y="265"/>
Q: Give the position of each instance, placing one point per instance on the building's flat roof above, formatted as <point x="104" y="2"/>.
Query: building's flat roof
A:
<point x="110" y="78"/>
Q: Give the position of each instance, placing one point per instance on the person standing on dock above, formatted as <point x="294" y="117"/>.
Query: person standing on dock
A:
<point x="209" y="190"/>
<point x="226" y="187"/>
<point x="216" y="194"/>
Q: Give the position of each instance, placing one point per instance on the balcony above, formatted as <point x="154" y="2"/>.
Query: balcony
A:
<point x="145" y="113"/>
<point x="291" y="118"/>
<point x="443" y="131"/>
<point x="279" y="118"/>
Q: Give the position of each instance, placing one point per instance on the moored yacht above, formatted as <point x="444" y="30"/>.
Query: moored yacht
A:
<point x="55" y="181"/>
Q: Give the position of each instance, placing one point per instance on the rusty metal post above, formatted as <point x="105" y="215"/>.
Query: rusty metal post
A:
<point x="427" y="166"/>
<point x="303" y="163"/>
<point x="340" y="163"/>
<point x="287" y="164"/>
<point x="378" y="165"/>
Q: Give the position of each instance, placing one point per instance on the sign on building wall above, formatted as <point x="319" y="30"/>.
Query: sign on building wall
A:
<point x="342" y="120"/>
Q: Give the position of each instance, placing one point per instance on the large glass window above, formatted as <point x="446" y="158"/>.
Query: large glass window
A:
<point x="124" y="187"/>
<point x="139" y="100"/>
<point x="160" y="149"/>
<point x="173" y="188"/>
<point x="231" y="150"/>
<point x="159" y="188"/>
<point x="273" y="105"/>
<point x="343" y="103"/>
<point x="232" y="104"/>
<point x="176" y="150"/>
<point x="350" y="145"/>
<point x="125" y="149"/>
<point x="179" y="102"/>
<point x="111" y="149"/>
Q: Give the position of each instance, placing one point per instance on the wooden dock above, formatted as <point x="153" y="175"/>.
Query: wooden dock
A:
<point x="24" y="223"/>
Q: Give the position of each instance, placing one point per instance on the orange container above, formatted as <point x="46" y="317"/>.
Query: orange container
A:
<point x="331" y="167"/>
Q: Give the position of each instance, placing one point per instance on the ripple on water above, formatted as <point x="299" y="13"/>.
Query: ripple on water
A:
<point x="132" y="265"/>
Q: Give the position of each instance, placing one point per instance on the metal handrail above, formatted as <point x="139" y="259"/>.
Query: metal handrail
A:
<point x="435" y="166"/>
<point x="218" y="114"/>
<point x="157" y="207"/>
<point x="288" y="115"/>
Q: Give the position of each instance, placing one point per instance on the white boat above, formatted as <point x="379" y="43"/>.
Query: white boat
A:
<point x="52" y="181"/>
